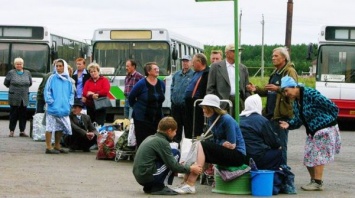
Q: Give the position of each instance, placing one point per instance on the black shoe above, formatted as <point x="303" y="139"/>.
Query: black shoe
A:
<point x="165" y="191"/>
<point x="71" y="150"/>
<point x="61" y="150"/>
<point x="86" y="150"/>
<point x="52" y="151"/>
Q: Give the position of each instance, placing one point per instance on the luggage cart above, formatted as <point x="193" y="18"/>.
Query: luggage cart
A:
<point x="207" y="177"/>
<point x="127" y="153"/>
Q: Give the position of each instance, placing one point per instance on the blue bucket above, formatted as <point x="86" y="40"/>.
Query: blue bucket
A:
<point x="262" y="182"/>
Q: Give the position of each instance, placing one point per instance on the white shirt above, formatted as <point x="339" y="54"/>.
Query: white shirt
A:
<point x="231" y="76"/>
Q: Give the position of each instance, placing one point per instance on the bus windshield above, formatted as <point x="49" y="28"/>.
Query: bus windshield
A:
<point x="336" y="64"/>
<point x="35" y="57"/>
<point x="115" y="54"/>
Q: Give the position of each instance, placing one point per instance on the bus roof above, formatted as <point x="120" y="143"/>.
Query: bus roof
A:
<point x="104" y="34"/>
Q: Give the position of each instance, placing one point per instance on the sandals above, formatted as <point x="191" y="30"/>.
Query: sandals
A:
<point x="23" y="134"/>
<point x="11" y="134"/>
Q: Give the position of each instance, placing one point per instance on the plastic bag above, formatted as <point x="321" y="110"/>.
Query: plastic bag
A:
<point x="39" y="129"/>
<point x="106" y="143"/>
<point x="192" y="155"/>
<point x="132" y="141"/>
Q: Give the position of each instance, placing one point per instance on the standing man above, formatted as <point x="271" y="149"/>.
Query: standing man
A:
<point x="80" y="76"/>
<point x="216" y="56"/>
<point x="221" y="79"/>
<point x="196" y="90"/>
<point x="278" y="106"/>
<point x="133" y="76"/>
<point x="180" y="81"/>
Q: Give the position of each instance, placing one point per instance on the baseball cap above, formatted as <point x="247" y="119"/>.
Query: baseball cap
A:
<point x="186" y="57"/>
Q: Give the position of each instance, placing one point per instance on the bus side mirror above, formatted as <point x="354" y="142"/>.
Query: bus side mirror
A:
<point x="174" y="54"/>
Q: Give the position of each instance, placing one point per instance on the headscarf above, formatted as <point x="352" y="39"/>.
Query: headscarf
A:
<point x="65" y="74"/>
<point x="288" y="81"/>
<point x="253" y="104"/>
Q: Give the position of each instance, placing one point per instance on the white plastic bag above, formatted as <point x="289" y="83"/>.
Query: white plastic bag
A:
<point x="185" y="146"/>
<point x="39" y="130"/>
<point x="132" y="141"/>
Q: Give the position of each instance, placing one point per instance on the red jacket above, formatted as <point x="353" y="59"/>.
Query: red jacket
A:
<point x="101" y="87"/>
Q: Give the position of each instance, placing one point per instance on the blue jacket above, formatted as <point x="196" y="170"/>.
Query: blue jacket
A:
<point x="59" y="95"/>
<point x="147" y="106"/>
<point x="179" y="85"/>
<point x="227" y="129"/>
<point x="258" y="135"/>
<point x="314" y="111"/>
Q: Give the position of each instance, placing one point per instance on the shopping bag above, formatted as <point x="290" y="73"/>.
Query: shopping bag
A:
<point x="191" y="156"/>
<point x="132" y="141"/>
<point x="102" y="103"/>
<point x="39" y="129"/>
<point x="106" y="143"/>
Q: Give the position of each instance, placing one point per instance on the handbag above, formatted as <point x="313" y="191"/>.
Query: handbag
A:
<point x="102" y="103"/>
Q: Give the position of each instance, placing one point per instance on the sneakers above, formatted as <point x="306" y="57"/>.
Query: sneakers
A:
<point x="312" y="186"/>
<point x="185" y="189"/>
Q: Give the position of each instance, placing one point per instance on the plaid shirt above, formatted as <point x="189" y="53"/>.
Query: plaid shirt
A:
<point x="130" y="81"/>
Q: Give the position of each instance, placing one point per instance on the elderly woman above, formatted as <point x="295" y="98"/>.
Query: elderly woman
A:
<point x="146" y="98"/>
<point x="262" y="142"/>
<point x="59" y="97"/>
<point x="227" y="147"/>
<point x="96" y="87"/>
<point x="319" y="115"/>
<point x="18" y="81"/>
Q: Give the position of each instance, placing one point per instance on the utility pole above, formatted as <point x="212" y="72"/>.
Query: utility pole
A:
<point x="240" y="37"/>
<point x="262" y="48"/>
<point x="289" y="25"/>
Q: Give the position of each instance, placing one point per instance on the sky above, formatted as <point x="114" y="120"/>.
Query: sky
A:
<point x="211" y="23"/>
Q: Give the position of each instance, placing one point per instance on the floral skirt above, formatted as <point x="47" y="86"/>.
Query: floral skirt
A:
<point x="54" y="123"/>
<point x="321" y="149"/>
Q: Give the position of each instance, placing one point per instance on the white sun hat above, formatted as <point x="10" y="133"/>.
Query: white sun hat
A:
<point x="211" y="100"/>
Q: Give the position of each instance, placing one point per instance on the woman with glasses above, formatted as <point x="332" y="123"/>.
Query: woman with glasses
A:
<point x="146" y="98"/>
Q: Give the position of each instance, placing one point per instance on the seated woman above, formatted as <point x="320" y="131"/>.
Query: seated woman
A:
<point x="261" y="142"/>
<point x="227" y="147"/>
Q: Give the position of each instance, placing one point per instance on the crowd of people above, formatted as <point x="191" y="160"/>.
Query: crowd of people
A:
<point x="260" y="134"/>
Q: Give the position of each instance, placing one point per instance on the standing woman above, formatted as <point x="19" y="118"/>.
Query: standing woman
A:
<point x="146" y="98"/>
<point x="18" y="81"/>
<point x="319" y="115"/>
<point x="59" y="97"/>
<point x="96" y="87"/>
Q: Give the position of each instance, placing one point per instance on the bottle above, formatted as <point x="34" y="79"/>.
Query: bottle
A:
<point x="252" y="165"/>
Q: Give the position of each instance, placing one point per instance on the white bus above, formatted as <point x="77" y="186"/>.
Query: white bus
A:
<point x="38" y="48"/>
<point x="335" y="76"/>
<point x="112" y="47"/>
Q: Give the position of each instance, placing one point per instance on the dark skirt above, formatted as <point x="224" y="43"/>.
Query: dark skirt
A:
<point x="217" y="154"/>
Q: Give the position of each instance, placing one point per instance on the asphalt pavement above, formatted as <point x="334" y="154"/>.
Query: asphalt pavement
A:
<point x="26" y="171"/>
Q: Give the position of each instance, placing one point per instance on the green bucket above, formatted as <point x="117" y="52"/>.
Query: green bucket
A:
<point x="238" y="186"/>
